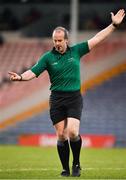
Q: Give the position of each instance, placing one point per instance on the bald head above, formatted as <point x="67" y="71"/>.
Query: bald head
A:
<point x="61" y="31"/>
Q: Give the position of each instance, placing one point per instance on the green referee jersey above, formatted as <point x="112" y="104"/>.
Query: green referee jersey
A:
<point x="63" y="69"/>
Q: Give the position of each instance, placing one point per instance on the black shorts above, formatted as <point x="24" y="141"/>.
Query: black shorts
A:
<point x="65" y="104"/>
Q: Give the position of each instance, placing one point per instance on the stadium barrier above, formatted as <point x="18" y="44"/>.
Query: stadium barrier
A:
<point x="89" y="141"/>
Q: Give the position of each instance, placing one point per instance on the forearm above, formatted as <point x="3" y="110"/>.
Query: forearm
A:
<point x="27" y="75"/>
<point x="100" y="36"/>
<point x="104" y="33"/>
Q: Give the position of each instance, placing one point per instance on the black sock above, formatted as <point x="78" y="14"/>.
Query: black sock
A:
<point x="64" y="152"/>
<point x="76" y="147"/>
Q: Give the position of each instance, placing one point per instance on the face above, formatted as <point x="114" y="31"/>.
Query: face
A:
<point x="59" y="42"/>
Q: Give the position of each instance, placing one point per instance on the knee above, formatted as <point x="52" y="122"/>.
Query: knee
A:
<point x="73" y="134"/>
<point x="61" y="136"/>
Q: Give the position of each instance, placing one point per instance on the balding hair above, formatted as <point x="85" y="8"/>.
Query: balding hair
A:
<point x="60" y="28"/>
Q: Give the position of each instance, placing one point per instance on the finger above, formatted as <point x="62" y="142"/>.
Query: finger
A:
<point x="119" y="12"/>
<point x="123" y="14"/>
<point x="112" y="14"/>
<point x="122" y="11"/>
<point x="11" y="73"/>
<point x="13" y="78"/>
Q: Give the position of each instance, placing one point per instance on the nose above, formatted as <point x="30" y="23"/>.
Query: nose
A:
<point x="57" y="43"/>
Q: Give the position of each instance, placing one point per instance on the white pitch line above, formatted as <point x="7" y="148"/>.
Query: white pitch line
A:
<point x="54" y="169"/>
<point x="26" y="169"/>
<point x="117" y="168"/>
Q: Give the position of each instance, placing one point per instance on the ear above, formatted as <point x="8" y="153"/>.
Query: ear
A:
<point x="67" y="41"/>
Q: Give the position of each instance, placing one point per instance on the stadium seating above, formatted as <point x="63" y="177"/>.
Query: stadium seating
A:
<point x="104" y="106"/>
<point x="103" y="113"/>
<point x="110" y="47"/>
<point x="21" y="55"/>
<point x="17" y="57"/>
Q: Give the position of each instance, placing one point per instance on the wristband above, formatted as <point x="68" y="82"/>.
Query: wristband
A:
<point x="115" y="25"/>
<point x="21" y="77"/>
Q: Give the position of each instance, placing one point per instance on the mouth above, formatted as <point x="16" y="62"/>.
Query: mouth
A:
<point x="59" y="48"/>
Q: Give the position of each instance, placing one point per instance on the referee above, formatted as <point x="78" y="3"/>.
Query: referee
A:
<point x="63" y="66"/>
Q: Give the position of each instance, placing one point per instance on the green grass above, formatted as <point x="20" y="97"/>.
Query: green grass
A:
<point x="42" y="163"/>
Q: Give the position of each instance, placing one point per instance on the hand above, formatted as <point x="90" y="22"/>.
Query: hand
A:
<point x="14" y="76"/>
<point x="118" y="17"/>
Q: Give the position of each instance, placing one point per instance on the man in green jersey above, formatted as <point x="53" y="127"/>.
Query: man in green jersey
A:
<point x="63" y="66"/>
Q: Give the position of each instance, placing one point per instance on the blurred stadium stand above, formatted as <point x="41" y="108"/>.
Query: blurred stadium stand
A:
<point x="37" y="18"/>
<point x="24" y="38"/>
<point x="103" y="113"/>
<point x="104" y="105"/>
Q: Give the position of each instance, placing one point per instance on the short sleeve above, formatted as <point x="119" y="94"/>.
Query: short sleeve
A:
<point x="82" y="48"/>
<point x="40" y="66"/>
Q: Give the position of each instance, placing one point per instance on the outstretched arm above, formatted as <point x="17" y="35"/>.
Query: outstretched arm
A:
<point x="99" y="37"/>
<point x="26" y="76"/>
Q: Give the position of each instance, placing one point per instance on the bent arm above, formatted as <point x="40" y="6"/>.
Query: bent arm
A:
<point x="99" y="37"/>
<point x="26" y="76"/>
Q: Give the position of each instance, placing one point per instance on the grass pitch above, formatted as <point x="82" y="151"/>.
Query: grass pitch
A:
<point x="42" y="163"/>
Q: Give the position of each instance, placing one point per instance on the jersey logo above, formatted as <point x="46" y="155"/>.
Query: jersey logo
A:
<point x="55" y="63"/>
<point x="70" y="59"/>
